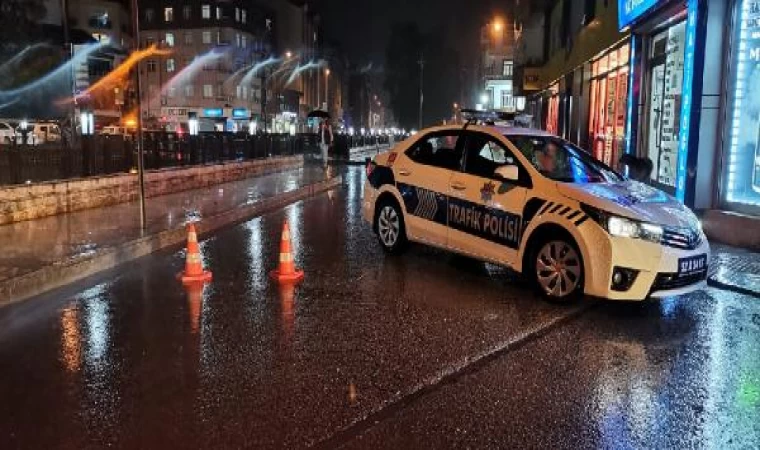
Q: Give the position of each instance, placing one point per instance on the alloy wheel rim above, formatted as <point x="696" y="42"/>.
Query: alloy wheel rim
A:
<point x="388" y="226"/>
<point x="558" y="269"/>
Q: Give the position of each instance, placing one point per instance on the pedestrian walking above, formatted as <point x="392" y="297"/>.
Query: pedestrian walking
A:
<point x="325" y="140"/>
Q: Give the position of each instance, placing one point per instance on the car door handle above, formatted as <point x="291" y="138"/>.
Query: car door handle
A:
<point x="458" y="186"/>
<point x="404" y="172"/>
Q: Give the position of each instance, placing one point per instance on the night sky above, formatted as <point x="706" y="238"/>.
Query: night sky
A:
<point x="362" y="27"/>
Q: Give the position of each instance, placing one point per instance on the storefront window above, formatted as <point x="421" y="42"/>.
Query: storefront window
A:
<point x="742" y="162"/>
<point x="608" y="105"/>
<point x="552" y="116"/>
<point x="665" y="70"/>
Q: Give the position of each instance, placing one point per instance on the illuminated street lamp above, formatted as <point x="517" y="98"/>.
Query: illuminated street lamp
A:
<point x="456" y="105"/>
<point x="288" y="54"/>
<point x="498" y="26"/>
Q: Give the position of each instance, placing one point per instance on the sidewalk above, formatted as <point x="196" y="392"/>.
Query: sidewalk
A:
<point x="33" y="250"/>
<point x="735" y="269"/>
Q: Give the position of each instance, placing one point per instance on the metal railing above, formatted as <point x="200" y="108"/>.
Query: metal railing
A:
<point x="105" y="155"/>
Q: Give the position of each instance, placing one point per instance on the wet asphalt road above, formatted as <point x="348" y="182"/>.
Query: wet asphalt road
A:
<point x="422" y="351"/>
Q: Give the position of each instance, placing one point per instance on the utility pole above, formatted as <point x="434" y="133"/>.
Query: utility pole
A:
<point x="421" y="62"/>
<point x="140" y="148"/>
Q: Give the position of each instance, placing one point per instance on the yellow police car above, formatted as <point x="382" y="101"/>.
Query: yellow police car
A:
<point x="535" y="203"/>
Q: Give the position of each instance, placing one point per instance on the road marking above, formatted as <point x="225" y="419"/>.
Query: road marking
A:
<point x="448" y="376"/>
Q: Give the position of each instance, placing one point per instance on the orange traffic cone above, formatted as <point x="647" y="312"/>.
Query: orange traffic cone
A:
<point x="287" y="272"/>
<point x="193" y="265"/>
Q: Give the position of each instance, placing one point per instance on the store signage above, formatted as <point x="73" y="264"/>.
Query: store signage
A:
<point x="241" y="113"/>
<point x="743" y="168"/>
<point x="213" y="112"/>
<point x="631" y="10"/>
<point x="686" y="102"/>
<point x="531" y="79"/>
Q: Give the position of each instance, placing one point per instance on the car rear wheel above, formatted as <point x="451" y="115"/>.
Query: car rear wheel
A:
<point x="389" y="224"/>
<point x="558" y="270"/>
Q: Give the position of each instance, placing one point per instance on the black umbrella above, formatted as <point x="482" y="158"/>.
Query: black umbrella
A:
<point x="319" y="113"/>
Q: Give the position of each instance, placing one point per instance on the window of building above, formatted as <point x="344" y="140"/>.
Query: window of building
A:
<point x="101" y="21"/>
<point x="509" y="68"/>
<point x="149" y="15"/>
<point x="206" y="11"/>
<point x="188" y="38"/>
<point x="208" y="91"/>
<point x="237" y="14"/>
<point x="237" y="39"/>
<point x="149" y="42"/>
<point x="151" y="67"/>
<point x="243" y="17"/>
<point x="168" y="14"/>
<point x="239" y="91"/>
<point x="245" y="92"/>
<point x="218" y="38"/>
<point x="187" y="12"/>
<point x="171" y="92"/>
<point x="218" y="13"/>
<point x="170" y="65"/>
<point x="506" y="100"/>
<point x="244" y="42"/>
<point x="206" y="37"/>
<point x="438" y="150"/>
<point x="189" y="91"/>
<point x="169" y="39"/>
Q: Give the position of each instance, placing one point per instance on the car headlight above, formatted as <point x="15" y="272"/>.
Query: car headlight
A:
<point x="624" y="227"/>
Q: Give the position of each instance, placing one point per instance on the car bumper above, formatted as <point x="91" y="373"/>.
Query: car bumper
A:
<point x="656" y="268"/>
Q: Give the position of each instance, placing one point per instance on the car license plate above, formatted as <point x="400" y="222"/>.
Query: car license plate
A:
<point x="692" y="265"/>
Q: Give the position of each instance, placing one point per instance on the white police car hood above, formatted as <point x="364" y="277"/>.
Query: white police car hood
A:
<point x="632" y="199"/>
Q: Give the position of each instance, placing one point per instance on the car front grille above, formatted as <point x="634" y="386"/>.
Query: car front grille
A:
<point x="669" y="281"/>
<point x="681" y="238"/>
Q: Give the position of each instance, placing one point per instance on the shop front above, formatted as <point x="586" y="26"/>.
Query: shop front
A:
<point x="740" y="190"/>
<point x="667" y="52"/>
<point x="608" y="103"/>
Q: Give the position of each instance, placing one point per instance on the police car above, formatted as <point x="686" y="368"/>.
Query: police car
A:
<point x="537" y="204"/>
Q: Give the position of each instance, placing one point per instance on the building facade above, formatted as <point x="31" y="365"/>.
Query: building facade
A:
<point x="673" y="81"/>
<point x="497" y="65"/>
<point x="208" y="50"/>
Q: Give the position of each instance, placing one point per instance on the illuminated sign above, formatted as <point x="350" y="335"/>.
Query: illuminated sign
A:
<point x="631" y="10"/>
<point x="241" y="113"/>
<point x="686" y="102"/>
<point x="742" y="172"/>
<point x="213" y="112"/>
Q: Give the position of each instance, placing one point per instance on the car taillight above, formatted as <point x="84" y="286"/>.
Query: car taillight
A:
<point x="370" y="167"/>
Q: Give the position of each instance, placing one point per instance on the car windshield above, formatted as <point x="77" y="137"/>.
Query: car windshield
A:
<point x="561" y="161"/>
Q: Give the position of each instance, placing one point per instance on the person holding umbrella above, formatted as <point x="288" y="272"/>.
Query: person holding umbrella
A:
<point x="325" y="133"/>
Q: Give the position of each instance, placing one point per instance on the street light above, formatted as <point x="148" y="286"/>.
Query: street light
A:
<point x="456" y="105"/>
<point x="484" y="99"/>
<point x="327" y="89"/>
<point x="498" y="25"/>
<point x="288" y="54"/>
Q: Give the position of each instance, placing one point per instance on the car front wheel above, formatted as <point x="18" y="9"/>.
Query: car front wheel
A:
<point x="558" y="270"/>
<point x="389" y="224"/>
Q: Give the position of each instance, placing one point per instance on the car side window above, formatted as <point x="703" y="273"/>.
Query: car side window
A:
<point x="438" y="150"/>
<point x="484" y="155"/>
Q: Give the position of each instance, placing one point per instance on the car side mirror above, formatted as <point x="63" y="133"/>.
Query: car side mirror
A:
<point x="508" y="173"/>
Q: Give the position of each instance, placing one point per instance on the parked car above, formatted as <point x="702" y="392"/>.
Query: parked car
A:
<point x="6" y="133"/>
<point x="39" y="133"/>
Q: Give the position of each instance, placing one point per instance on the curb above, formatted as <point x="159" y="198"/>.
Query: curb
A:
<point x="68" y="271"/>
<point x="712" y="282"/>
